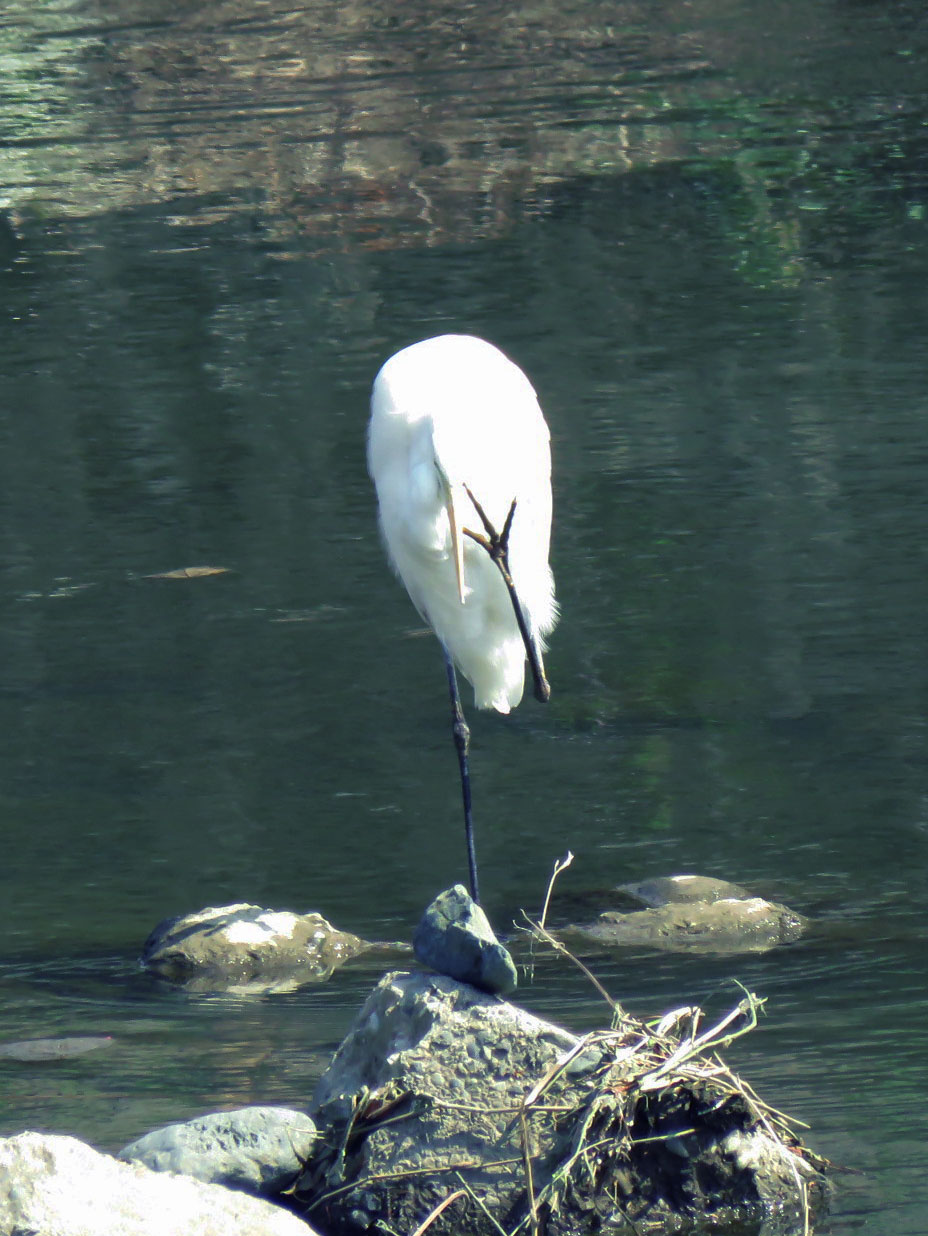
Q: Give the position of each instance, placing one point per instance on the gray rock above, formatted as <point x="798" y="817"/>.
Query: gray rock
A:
<point x="455" y="938"/>
<point x="244" y="947"/>
<point x="733" y="925"/>
<point x="437" y="1084"/>
<point x="433" y="1041"/>
<point x="663" y="890"/>
<point x="258" y="1149"/>
<point x="35" y="1050"/>
<point x="58" y="1186"/>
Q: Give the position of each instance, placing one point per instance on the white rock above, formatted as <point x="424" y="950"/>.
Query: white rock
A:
<point x="59" y="1186"/>
<point x="246" y="947"/>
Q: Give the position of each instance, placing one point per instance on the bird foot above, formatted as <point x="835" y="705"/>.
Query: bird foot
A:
<point x="497" y="546"/>
<point x="495" y="543"/>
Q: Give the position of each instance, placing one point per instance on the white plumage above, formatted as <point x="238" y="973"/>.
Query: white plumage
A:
<point x="447" y="415"/>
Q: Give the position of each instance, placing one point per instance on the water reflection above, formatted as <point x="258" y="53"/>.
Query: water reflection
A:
<point x="410" y="124"/>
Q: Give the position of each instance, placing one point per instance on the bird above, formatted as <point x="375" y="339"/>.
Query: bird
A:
<point x="460" y="456"/>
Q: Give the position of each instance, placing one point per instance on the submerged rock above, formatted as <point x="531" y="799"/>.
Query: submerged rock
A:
<point x="455" y="938"/>
<point x="34" y="1050"/>
<point x="729" y="926"/>
<point x="442" y="1094"/>
<point x="258" y="1149"/>
<point x="662" y="890"/>
<point x="243" y="945"/>
<point x="59" y="1186"/>
<point x="690" y="913"/>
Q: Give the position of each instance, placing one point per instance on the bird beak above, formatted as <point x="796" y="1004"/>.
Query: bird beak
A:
<point x="457" y="540"/>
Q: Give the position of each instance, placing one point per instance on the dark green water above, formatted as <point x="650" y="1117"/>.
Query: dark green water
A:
<point x="703" y="231"/>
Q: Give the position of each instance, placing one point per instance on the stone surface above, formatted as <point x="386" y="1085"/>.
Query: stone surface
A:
<point x="35" y="1050"/>
<point x="258" y="1149"/>
<point x="732" y="925"/>
<point x="663" y="890"/>
<point x="59" y="1186"/>
<point x="245" y="947"/>
<point x="436" y="1082"/>
<point x="429" y="1040"/>
<point x="455" y="938"/>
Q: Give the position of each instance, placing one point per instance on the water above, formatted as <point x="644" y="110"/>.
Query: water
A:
<point x="702" y="231"/>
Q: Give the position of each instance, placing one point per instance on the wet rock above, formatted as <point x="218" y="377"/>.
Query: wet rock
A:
<point x="33" y="1050"/>
<point x="662" y="890"/>
<point x="245" y="947"/>
<point x="691" y="913"/>
<point x="438" y="1086"/>
<point x="58" y="1186"/>
<point x="455" y="938"/>
<point x="258" y="1149"/>
<point x="420" y="1042"/>
<point x="733" y="925"/>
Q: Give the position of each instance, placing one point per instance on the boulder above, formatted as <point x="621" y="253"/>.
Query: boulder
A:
<point x="690" y="913"/>
<point x="442" y="1095"/>
<point x="733" y="925"/>
<point x="258" y="1149"/>
<point x="59" y="1186"/>
<point x="244" y="947"/>
<point x="455" y="938"/>
<point x="662" y="890"/>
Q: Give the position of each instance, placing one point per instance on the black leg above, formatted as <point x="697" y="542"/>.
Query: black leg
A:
<point x="461" y="743"/>
<point x="497" y="546"/>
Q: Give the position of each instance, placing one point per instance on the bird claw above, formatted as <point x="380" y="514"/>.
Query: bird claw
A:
<point x="497" y="546"/>
<point x="495" y="543"/>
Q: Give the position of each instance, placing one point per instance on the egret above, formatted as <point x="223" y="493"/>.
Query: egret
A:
<point x="460" y="456"/>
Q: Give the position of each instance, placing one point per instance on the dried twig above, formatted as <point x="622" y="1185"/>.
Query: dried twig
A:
<point x="479" y="1201"/>
<point x="714" y="1037"/>
<point x="431" y="1169"/>
<point x="437" y="1210"/>
<point x="529" y="1180"/>
<point x="540" y="933"/>
<point x="561" y="865"/>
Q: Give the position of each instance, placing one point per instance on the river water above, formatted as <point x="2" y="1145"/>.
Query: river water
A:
<point x="702" y="229"/>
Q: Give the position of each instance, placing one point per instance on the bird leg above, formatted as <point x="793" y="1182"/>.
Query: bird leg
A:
<point x="497" y="546"/>
<point x="461" y="732"/>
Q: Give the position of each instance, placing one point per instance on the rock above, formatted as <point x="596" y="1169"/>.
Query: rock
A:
<point x="34" y="1050"/>
<point x="58" y="1186"/>
<point x="661" y="890"/>
<point x="438" y="1086"/>
<point x="243" y="946"/>
<point x="691" y="913"/>
<point x="729" y="926"/>
<point x="455" y="938"/>
<point x="422" y="1040"/>
<point x="258" y="1149"/>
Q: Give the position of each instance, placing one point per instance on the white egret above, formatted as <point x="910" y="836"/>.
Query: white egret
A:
<point x="460" y="456"/>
